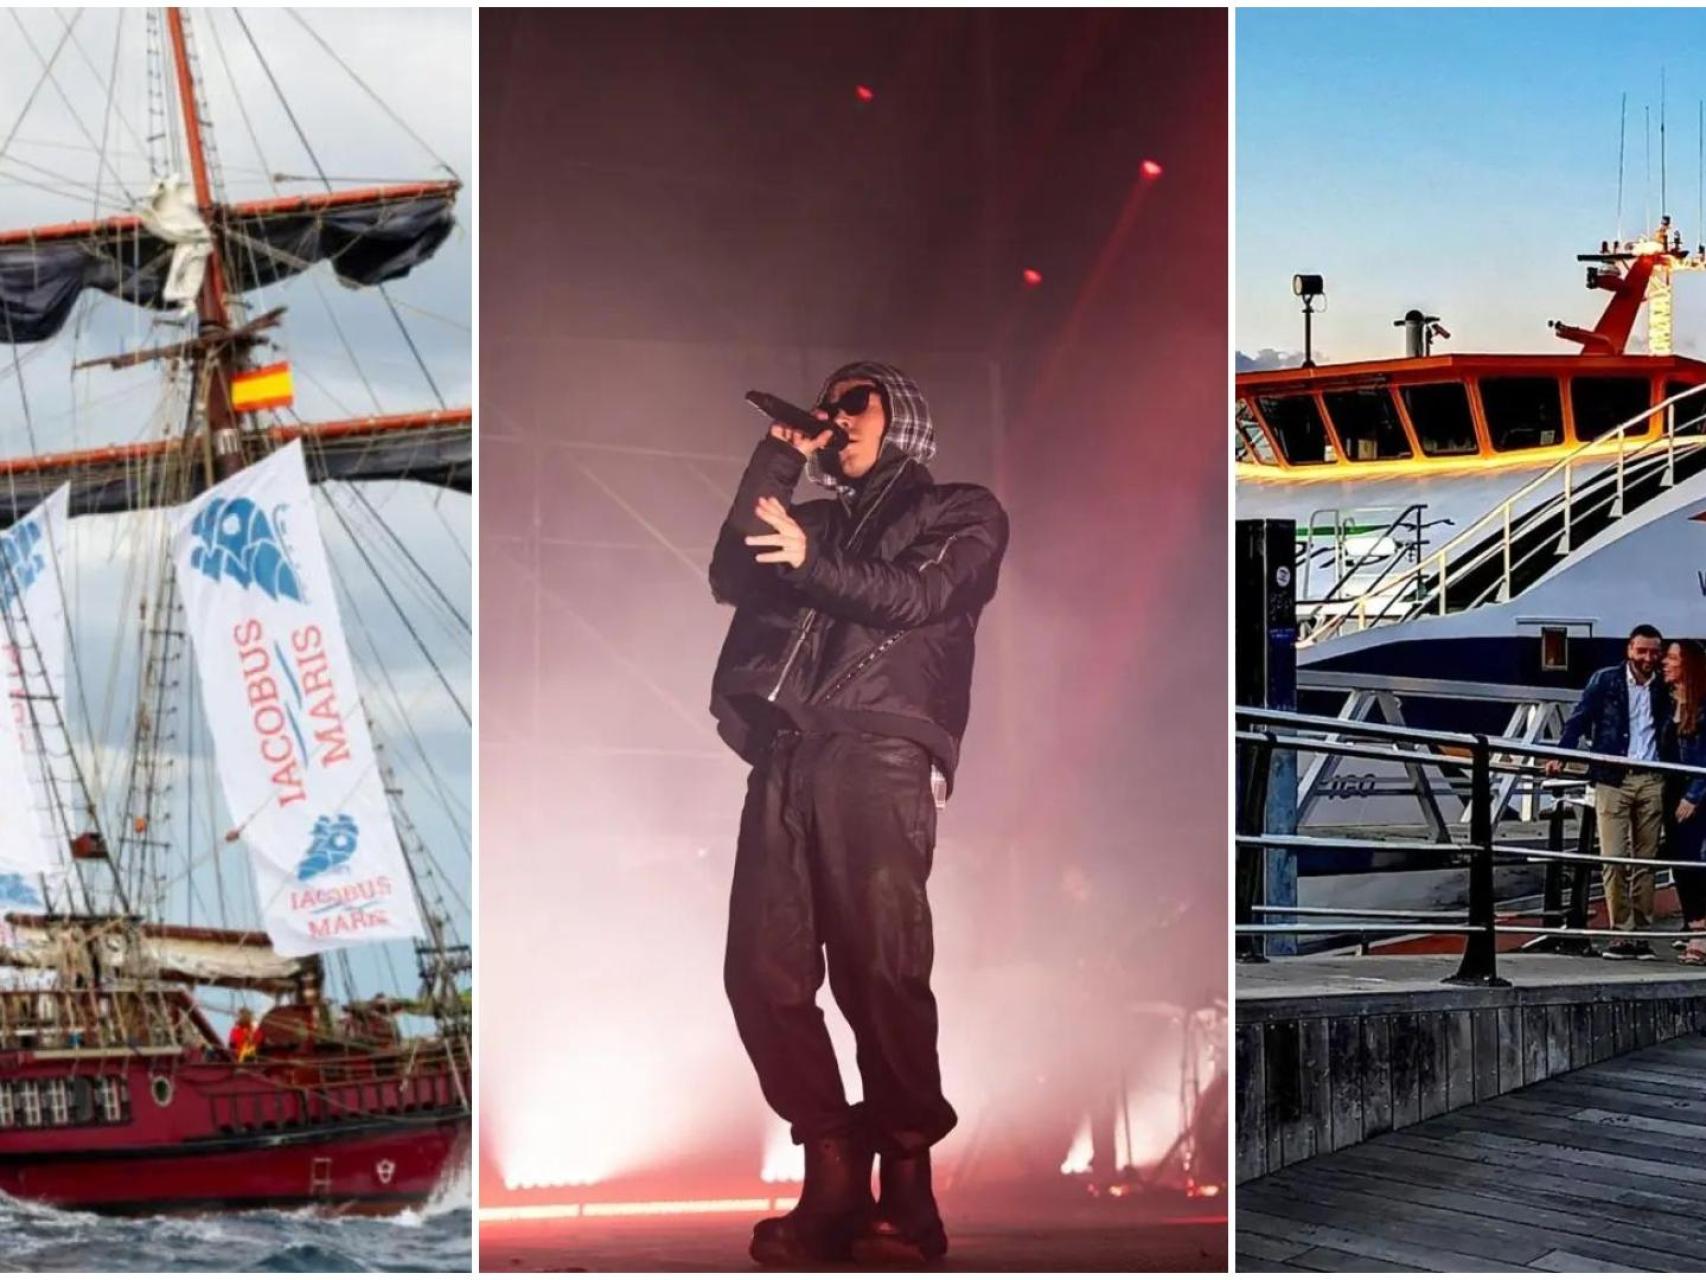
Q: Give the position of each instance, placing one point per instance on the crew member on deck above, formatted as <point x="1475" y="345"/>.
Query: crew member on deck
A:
<point x="245" y="1038"/>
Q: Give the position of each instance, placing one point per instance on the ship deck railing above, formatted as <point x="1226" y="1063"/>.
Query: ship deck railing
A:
<point x="1262" y="734"/>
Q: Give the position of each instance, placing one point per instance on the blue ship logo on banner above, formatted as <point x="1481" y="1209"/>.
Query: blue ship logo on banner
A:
<point x="15" y="891"/>
<point x="241" y="542"/>
<point x="332" y="846"/>
<point x="21" y="561"/>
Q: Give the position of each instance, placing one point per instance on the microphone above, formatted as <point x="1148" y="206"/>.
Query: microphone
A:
<point x="791" y="415"/>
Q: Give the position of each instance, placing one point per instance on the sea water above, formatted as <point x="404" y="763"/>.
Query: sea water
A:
<point x="437" y="1237"/>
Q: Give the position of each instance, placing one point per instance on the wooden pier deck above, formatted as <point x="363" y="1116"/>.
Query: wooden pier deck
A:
<point x="1599" y="1169"/>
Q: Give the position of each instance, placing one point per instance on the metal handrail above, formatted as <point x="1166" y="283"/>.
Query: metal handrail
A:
<point x="1408" y="551"/>
<point x="1479" y="965"/>
<point x="1443" y="737"/>
<point x="1500" y="589"/>
<point x="1504" y="512"/>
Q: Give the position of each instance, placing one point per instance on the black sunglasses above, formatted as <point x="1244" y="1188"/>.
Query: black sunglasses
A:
<point x="853" y="402"/>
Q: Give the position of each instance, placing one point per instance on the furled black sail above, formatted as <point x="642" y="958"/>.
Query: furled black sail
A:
<point x="366" y="243"/>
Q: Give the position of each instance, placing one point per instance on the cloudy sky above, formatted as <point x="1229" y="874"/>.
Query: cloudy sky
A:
<point x="1457" y="160"/>
<point x="400" y="109"/>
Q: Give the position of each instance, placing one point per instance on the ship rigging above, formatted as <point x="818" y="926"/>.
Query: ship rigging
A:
<point x="116" y="1090"/>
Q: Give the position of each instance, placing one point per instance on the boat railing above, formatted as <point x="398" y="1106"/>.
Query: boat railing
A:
<point x="282" y="1095"/>
<point x="1262" y="735"/>
<point x="1424" y="586"/>
<point x="1399" y="543"/>
<point x="64" y="1020"/>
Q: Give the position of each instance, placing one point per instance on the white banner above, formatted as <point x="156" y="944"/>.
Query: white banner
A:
<point x="34" y="836"/>
<point x="295" y="759"/>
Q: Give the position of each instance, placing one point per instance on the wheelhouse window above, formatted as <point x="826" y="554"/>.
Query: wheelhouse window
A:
<point x="1689" y="414"/>
<point x="1367" y="424"/>
<point x="1252" y="445"/>
<point x="1522" y="413"/>
<point x="1600" y="404"/>
<point x="1297" y="426"/>
<point x="1439" y="411"/>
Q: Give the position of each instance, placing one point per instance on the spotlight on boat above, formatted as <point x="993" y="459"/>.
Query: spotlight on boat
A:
<point x="1309" y="288"/>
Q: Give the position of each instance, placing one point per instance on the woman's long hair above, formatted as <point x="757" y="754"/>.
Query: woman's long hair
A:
<point x="1690" y="691"/>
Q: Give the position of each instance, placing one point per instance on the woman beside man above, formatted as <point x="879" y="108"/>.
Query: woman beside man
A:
<point x="1683" y="740"/>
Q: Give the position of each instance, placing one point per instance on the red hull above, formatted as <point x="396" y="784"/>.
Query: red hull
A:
<point x="177" y="1137"/>
<point x="342" y="1172"/>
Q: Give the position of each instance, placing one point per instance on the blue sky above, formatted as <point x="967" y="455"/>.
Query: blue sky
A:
<point x="1455" y="160"/>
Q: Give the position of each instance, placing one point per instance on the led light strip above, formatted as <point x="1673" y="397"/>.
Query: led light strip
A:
<point x="632" y="1209"/>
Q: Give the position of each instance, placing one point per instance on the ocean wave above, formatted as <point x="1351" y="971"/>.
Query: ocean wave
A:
<point x="36" y="1237"/>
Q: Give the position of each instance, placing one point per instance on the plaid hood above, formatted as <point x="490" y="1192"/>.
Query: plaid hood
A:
<point x="909" y="430"/>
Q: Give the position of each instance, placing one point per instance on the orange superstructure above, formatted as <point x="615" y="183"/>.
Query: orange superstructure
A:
<point x="1447" y="411"/>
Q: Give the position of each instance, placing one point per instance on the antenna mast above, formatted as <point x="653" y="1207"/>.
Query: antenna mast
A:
<point x="1622" y="131"/>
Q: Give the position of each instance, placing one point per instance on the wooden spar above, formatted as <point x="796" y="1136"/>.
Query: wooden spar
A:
<point x="277" y="206"/>
<point x="178" y="350"/>
<point x="309" y="432"/>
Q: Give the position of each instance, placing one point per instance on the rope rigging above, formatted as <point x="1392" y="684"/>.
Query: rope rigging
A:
<point x="162" y="754"/>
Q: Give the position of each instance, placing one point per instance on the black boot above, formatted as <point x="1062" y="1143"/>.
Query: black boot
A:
<point x="907" y="1228"/>
<point x="835" y="1203"/>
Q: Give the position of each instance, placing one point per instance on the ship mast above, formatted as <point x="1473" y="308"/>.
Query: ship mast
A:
<point x="217" y="354"/>
<point x="220" y="356"/>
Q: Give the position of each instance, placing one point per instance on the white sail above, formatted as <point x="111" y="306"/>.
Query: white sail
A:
<point x="295" y="757"/>
<point x="34" y="836"/>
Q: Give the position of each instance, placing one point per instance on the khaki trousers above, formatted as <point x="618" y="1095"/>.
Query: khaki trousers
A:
<point x="1630" y="815"/>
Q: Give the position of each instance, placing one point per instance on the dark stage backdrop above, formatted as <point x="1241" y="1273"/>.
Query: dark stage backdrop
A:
<point x="678" y="206"/>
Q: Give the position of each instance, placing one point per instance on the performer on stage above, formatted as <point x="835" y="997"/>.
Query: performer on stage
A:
<point x="845" y="682"/>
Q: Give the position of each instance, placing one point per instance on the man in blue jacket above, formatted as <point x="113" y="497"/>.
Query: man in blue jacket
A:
<point x="1621" y="713"/>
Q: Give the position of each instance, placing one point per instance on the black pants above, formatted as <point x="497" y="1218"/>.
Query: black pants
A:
<point x="835" y="846"/>
<point x="1683" y="841"/>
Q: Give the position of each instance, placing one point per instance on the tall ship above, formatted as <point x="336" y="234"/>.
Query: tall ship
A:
<point x="212" y="787"/>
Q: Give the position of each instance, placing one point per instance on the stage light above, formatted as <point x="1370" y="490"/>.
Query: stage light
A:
<point x="1032" y="277"/>
<point x="784" y="1159"/>
<point x="864" y="93"/>
<point x="634" y="1209"/>
<point x="1082" y="1152"/>
<point x="1151" y="169"/>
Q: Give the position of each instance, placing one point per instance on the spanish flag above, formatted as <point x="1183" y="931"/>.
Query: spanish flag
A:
<point x="267" y="388"/>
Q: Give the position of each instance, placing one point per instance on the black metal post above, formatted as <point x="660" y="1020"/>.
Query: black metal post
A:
<point x="1480" y="967"/>
<point x="1581" y="885"/>
<point x="1252" y="859"/>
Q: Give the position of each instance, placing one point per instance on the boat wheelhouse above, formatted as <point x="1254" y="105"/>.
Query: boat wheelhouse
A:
<point x="1459" y="412"/>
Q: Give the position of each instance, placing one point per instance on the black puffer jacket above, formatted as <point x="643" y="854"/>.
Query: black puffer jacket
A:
<point x="874" y="632"/>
